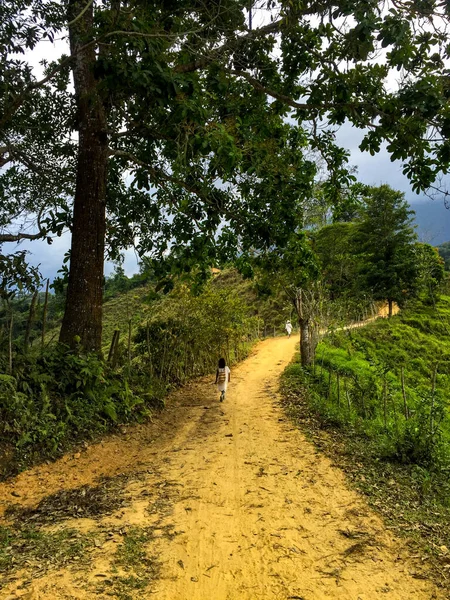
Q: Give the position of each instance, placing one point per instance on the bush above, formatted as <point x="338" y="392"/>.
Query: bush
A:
<point x="58" y="397"/>
<point x="187" y="337"/>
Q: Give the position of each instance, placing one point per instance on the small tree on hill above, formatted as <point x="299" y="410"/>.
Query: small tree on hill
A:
<point x="430" y="272"/>
<point x="335" y="248"/>
<point x="387" y="239"/>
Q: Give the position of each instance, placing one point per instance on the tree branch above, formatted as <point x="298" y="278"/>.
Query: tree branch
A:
<point x="78" y="17"/>
<point x="17" y="237"/>
<point x="158" y="173"/>
<point x="164" y="177"/>
<point x="200" y="63"/>
<point x="4" y="158"/>
<point x="293" y="103"/>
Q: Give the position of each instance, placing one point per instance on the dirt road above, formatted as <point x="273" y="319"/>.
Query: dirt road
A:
<point x="211" y="502"/>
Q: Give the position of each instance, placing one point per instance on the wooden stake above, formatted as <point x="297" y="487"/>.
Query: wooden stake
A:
<point x="347" y="395"/>
<point x="129" y="346"/>
<point x="30" y="321"/>
<point x="433" y="390"/>
<point x="338" y="390"/>
<point x="11" y="323"/>
<point x="330" y="373"/>
<point x="113" y="348"/>
<point x="405" y="404"/>
<point x="44" y="315"/>
<point x="150" y="352"/>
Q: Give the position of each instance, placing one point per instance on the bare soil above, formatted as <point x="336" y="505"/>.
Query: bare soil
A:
<point x="211" y="501"/>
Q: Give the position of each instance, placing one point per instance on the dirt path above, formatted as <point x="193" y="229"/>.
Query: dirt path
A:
<point x="211" y="502"/>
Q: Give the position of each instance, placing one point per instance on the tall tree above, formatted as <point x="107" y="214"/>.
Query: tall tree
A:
<point x="386" y="239"/>
<point x="335" y="248"/>
<point x="180" y="113"/>
<point x="431" y="272"/>
<point x="292" y="269"/>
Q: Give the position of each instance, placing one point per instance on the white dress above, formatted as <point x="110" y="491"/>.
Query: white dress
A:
<point x="222" y="385"/>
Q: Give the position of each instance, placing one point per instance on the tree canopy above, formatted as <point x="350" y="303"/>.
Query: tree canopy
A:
<point x="188" y="129"/>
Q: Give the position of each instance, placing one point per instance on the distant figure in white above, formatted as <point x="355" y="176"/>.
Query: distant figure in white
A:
<point x="223" y="376"/>
<point x="288" y="327"/>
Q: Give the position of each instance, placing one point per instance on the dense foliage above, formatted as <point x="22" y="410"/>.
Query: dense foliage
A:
<point x="187" y="127"/>
<point x="385" y="236"/>
<point x="333" y="274"/>
<point x="444" y="251"/>
<point x="57" y="397"/>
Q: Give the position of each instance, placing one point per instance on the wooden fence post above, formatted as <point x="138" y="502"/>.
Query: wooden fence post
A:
<point x="338" y="390"/>
<point x="10" y="339"/>
<point x="129" y="347"/>
<point x="44" y="316"/>
<point x="405" y="404"/>
<point x="112" y="354"/>
<point x="30" y="321"/>
<point x="149" y="350"/>
<point x="433" y="390"/>
<point x="347" y="395"/>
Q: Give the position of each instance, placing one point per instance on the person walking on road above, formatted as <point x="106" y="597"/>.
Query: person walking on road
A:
<point x="223" y="376"/>
<point x="288" y="328"/>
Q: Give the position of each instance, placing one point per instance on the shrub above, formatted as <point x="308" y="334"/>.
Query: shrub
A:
<point x="59" y="396"/>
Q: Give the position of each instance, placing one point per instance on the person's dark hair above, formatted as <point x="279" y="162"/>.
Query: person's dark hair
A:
<point x="222" y="363"/>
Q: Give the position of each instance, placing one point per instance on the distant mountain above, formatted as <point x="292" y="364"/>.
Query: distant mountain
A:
<point x="433" y="221"/>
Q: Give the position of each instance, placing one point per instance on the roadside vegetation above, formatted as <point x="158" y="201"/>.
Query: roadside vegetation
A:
<point x="376" y="400"/>
<point x="161" y="329"/>
<point x="52" y="398"/>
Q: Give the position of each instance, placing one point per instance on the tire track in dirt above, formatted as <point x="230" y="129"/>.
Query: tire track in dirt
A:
<point x="238" y="504"/>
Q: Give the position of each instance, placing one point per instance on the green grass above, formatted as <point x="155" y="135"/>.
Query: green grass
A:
<point x="402" y="465"/>
<point x="389" y="383"/>
<point x="370" y="363"/>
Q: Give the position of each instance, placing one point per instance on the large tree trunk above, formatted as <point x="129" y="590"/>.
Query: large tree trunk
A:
<point x="307" y="339"/>
<point x="82" y="321"/>
<point x="390" y="308"/>
<point x="306" y="343"/>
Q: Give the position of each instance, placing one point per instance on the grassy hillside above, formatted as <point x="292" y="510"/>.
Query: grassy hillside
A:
<point x="376" y="402"/>
<point x="143" y="305"/>
<point x="390" y="381"/>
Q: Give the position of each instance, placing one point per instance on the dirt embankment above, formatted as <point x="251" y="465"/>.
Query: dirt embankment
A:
<point x="211" y="501"/>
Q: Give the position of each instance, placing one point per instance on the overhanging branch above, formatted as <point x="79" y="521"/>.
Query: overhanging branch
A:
<point x="299" y="105"/>
<point x="162" y="178"/>
<point x="17" y="237"/>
